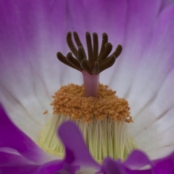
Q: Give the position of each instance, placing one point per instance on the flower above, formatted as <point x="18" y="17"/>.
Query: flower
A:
<point x="31" y="34"/>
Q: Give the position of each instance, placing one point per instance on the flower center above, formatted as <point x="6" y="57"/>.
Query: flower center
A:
<point x="102" y="116"/>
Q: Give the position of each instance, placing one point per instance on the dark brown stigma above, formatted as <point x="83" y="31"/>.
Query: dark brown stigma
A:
<point x="95" y="62"/>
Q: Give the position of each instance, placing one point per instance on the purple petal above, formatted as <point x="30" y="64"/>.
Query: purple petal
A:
<point x="39" y="31"/>
<point x="136" y="160"/>
<point x="110" y="167"/>
<point x="165" y="165"/>
<point x="56" y="167"/>
<point x="19" y="169"/>
<point x="72" y="139"/>
<point x="140" y="18"/>
<point x="12" y="159"/>
<point x="140" y="171"/>
<point x="28" y="57"/>
<point x="60" y="166"/>
<point x="12" y="162"/>
<point x="12" y="137"/>
<point x="51" y="167"/>
<point x="154" y="117"/>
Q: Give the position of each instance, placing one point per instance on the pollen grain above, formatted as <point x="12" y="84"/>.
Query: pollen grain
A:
<point x="69" y="100"/>
<point x="45" y="112"/>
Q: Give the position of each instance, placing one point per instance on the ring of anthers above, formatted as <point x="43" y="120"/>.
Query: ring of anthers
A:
<point x="69" y="100"/>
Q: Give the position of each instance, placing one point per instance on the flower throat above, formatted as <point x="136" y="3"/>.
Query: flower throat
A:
<point x="101" y="116"/>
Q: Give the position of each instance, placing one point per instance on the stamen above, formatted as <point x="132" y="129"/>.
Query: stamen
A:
<point x="102" y="120"/>
<point x="69" y="100"/>
<point x="103" y="138"/>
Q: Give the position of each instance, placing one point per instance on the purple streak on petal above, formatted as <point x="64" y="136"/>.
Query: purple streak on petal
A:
<point x="12" y="137"/>
<point x="137" y="159"/>
<point x="72" y="139"/>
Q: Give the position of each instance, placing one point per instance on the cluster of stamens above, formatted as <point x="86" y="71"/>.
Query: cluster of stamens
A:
<point x="69" y="100"/>
<point x="93" y="63"/>
<point x="95" y="108"/>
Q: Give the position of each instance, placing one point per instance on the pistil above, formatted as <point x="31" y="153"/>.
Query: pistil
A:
<point x="93" y="64"/>
<point x="90" y="84"/>
<point x="99" y="113"/>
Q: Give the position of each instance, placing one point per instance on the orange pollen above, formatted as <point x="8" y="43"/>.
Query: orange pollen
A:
<point x="69" y="100"/>
<point x="46" y="112"/>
